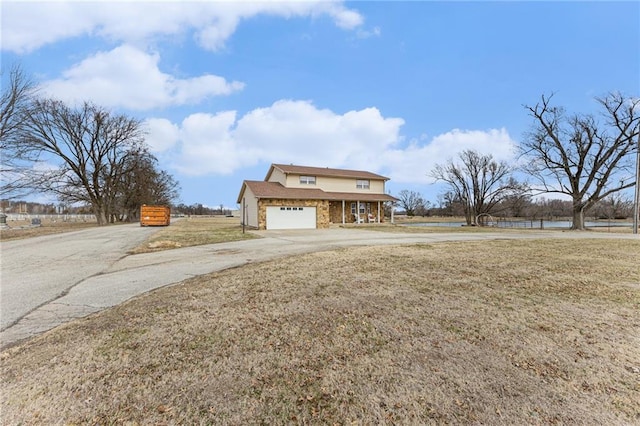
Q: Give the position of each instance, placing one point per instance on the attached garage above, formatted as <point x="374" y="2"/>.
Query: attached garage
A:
<point x="291" y="217"/>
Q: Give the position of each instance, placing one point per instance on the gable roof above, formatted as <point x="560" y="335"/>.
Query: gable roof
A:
<point x="275" y="190"/>
<point x="323" y="171"/>
<point x="262" y="189"/>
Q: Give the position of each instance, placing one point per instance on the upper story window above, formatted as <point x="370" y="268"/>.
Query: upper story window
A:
<point x="362" y="184"/>
<point x="307" y="180"/>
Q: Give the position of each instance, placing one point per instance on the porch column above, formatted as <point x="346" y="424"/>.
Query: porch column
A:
<point x="343" y="212"/>
<point x="378" y="212"/>
<point x="358" y="213"/>
<point x="392" y="209"/>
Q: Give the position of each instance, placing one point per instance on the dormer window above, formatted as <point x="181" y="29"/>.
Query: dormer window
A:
<point x="307" y="180"/>
<point x="362" y="184"/>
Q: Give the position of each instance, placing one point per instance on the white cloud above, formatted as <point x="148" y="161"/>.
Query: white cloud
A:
<point x="362" y="34"/>
<point x="161" y="134"/>
<point x="413" y="163"/>
<point x="287" y="131"/>
<point x="344" y="18"/>
<point x="30" y="25"/>
<point x="300" y="133"/>
<point x="130" y="78"/>
<point x="27" y="26"/>
<point x="208" y="146"/>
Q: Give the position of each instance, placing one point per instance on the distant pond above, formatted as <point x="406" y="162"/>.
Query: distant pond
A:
<point x="531" y="224"/>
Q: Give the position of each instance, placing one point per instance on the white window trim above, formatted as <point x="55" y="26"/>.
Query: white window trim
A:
<point x="307" y="180"/>
<point x="363" y="184"/>
<point x="364" y="208"/>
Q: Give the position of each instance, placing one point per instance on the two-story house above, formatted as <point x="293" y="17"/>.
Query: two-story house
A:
<point x="300" y="197"/>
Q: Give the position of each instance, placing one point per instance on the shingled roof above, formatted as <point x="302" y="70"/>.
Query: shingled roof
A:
<point x="262" y="189"/>
<point x="275" y="190"/>
<point x="323" y="171"/>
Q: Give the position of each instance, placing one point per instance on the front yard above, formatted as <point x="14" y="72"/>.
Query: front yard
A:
<point x="501" y="332"/>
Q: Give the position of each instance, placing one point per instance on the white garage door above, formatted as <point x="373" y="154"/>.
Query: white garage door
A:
<point x="289" y="217"/>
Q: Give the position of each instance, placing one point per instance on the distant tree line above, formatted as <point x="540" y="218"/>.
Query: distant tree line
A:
<point x="200" y="210"/>
<point x="83" y="155"/>
<point x="616" y="206"/>
<point x="30" y="207"/>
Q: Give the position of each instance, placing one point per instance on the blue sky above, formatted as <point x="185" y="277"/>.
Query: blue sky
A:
<point x="227" y="88"/>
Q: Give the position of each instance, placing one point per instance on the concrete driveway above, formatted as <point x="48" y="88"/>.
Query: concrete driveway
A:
<point x="47" y="281"/>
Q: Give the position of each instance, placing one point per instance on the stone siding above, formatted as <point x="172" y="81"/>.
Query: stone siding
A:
<point x="335" y="212"/>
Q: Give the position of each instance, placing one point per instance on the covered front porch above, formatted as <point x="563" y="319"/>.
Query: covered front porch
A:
<point x="357" y="211"/>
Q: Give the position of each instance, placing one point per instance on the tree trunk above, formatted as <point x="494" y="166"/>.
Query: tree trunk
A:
<point x="578" y="218"/>
<point x="468" y="214"/>
<point x="101" y="215"/>
<point x="131" y="215"/>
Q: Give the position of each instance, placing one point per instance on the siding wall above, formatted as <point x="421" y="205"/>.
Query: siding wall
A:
<point x="278" y="176"/>
<point x="332" y="184"/>
<point x="251" y="214"/>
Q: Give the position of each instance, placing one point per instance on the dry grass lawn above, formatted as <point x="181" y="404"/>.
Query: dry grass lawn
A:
<point x="193" y="231"/>
<point x="501" y="332"/>
<point x="387" y="227"/>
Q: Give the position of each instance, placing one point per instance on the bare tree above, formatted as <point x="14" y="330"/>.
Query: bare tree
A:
<point x="515" y="205"/>
<point x="478" y="181"/>
<point x="142" y="183"/>
<point x="449" y="204"/>
<point x="424" y="209"/>
<point x="410" y="201"/>
<point x="551" y="209"/>
<point x="15" y="100"/>
<point x="579" y="156"/>
<point x="90" y="146"/>
<point x="615" y="206"/>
